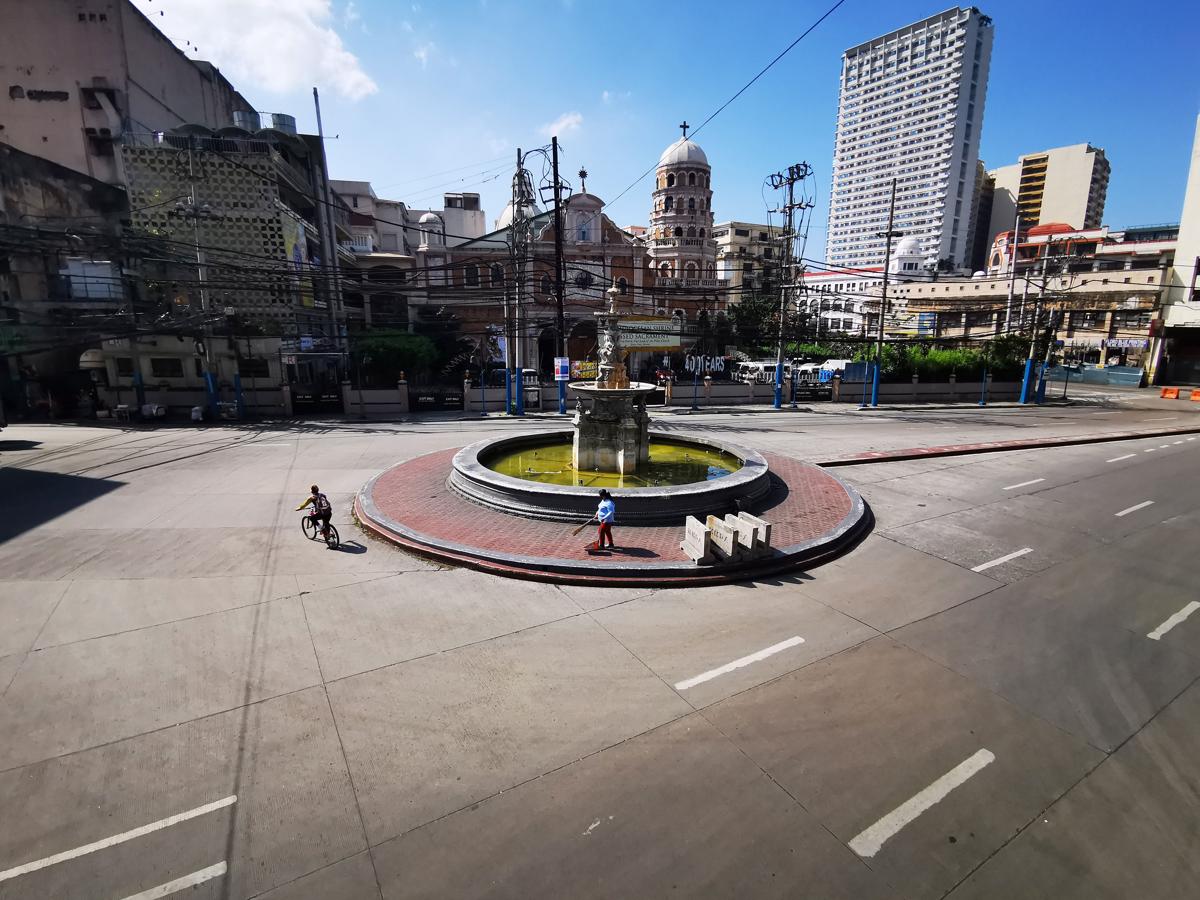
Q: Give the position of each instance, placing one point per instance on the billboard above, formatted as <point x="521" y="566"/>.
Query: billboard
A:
<point x="295" y="250"/>
<point x="650" y="334"/>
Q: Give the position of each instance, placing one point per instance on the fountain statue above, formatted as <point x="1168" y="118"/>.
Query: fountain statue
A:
<point x="614" y="434"/>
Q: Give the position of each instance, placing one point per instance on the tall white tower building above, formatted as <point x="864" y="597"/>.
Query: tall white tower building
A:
<point x="910" y="108"/>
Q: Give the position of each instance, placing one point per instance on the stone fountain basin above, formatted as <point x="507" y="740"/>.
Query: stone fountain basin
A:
<point x="670" y="505"/>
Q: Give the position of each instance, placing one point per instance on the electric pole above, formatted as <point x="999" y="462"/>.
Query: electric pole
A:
<point x="560" y="311"/>
<point x="887" y="263"/>
<point x="520" y="238"/>
<point x="1012" y="262"/>
<point x="795" y="173"/>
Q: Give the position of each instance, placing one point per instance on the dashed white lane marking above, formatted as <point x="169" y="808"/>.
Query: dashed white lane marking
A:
<point x="738" y="663"/>
<point x="1161" y="419"/>
<point x="1003" y="559"/>
<point x="868" y="842"/>
<point x="1149" y="449"/>
<point x="1174" y="620"/>
<point x="28" y="867"/>
<point x="1176" y="443"/>
<point x="1163" y="446"/>
<point x="1134" y="508"/>
<point x="1119" y="458"/>
<point x="187" y="881"/>
<point x="1013" y="487"/>
<point x="1191" y="438"/>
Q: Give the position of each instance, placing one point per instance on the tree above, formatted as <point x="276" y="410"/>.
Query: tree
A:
<point x="383" y="355"/>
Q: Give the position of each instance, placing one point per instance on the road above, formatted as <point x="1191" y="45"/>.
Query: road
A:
<point x="993" y="696"/>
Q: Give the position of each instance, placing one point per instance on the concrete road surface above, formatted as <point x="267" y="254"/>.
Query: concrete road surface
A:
<point x="993" y="696"/>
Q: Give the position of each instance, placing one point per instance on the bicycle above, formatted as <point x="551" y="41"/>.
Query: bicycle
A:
<point x="312" y="530"/>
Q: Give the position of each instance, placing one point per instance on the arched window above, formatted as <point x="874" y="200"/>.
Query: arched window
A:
<point x="679" y="314"/>
<point x="691" y="204"/>
<point x="497" y="275"/>
<point x="670" y="181"/>
<point x="690" y="270"/>
<point x="668" y="203"/>
<point x="472" y="273"/>
<point x="691" y="232"/>
<point x="678" y="232"/>
<point x="547" y="286"/>
<point x="622" y="285"/>
<point x="664" y="270"/>
<point x="701" y="232"/>
<point x="711" y="271"/>
<point x="692" y="179"/>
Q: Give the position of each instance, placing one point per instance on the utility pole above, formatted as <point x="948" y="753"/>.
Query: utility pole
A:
<point x="333" y="286"/>
<point x="1012" y="262"/>
<point x="519" y="244"/>
<point x="560" y="311"/>
<point x="795" y="173"/>
<point x="194" y="213"/>
<point x="887" y="262"/>
<point x="1037" y="312"/>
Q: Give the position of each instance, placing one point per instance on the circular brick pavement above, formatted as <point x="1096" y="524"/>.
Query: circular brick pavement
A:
<point x="814" y="515"/>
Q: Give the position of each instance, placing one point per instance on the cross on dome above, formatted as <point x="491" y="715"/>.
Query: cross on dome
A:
<point x="684" y="126"/>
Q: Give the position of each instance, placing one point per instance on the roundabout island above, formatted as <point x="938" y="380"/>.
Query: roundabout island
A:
<point x="512" y="505"/>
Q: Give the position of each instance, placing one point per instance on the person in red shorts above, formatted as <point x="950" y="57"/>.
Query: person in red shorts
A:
<point x="606" y="514"/>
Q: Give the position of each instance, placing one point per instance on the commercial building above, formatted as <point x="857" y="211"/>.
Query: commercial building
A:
<point x="78" y="76"/>
<point x="911" y="109"/>
<point x="846" y="301"/>
<point x="1065" y="184"/>
<point x="748" y="257"/>
<point x="1180" y="344"/>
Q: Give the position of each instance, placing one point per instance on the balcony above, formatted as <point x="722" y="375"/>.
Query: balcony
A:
<point x="361" y="243"/>
<point x="703" y="283"/>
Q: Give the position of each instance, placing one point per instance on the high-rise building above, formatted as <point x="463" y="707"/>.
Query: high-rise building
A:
<point x="910" y="108"/>
<point x="1066" y="185"/>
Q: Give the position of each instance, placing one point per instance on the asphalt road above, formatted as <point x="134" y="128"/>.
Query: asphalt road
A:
<point x="993" y="696"/>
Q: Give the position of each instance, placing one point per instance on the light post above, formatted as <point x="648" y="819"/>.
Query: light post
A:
<point x="887" y="260"/>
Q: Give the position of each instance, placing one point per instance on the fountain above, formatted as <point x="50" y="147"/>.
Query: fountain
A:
<point x="661" y="479"/>
<point x="614" y="435"/>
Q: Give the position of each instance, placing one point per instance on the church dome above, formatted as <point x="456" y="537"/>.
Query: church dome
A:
<point x="683" y="152"/>
<point x="430" y="218"/>
<point x="506" y="217"/>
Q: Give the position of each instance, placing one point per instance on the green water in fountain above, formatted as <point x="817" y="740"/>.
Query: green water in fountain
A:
<point x="669" y="464"/>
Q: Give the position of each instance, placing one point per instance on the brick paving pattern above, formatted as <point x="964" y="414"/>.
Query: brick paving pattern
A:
<point x="806" y="504"/>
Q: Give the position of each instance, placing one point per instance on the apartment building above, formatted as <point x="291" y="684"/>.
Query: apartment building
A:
<point x="911" y="109"/>
<point x="1065" y="184"/>
<point x="748" y="257"/>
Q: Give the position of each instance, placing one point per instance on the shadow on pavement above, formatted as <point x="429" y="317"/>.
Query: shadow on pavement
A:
<point x="32" y="498"/>
<point x="351" y="547"/>
<point x="19" y="445"/>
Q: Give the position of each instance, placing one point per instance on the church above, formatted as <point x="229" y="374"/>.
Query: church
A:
<point x="668" y="273"/>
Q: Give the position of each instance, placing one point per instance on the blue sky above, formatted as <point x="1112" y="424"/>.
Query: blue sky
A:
<point x="416" y="89"/>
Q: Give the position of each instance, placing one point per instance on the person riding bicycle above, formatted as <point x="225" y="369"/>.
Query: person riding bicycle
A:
<point x="322" y="510"/>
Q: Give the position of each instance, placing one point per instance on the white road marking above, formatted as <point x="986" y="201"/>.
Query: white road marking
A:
<point x="1013" y="487"/>
<point x="738" y="663"/>
<point x="1003" y="559"/>
<point x="179" y="884"/>
<point x="1149" y="449"/>
<point x="868" y="842"/>
<point x="1176" y="443"/>
<point x="1161" y="419"/>
<point x="1191" y="438"/>
<point x="1134" y="508"/>
<point x="1174" y="620"/>
<point x="1163" y="446"/>
<point x="26" y="868"/>
<point x="1119" y="458"/>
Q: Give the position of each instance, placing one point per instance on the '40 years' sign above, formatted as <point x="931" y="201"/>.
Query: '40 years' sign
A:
<point x="702" y="364"/>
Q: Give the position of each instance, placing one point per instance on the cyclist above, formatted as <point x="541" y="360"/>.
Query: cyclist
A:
<point x="322" y="511"/>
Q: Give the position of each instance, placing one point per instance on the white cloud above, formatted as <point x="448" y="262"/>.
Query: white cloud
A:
<point x="564" y="124"/>
<point x="278" y="47"/>
<point x="610" y="97"/>
<point x="423" y="53"/>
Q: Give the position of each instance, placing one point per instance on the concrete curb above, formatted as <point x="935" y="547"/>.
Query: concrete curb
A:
<point x="879" y="456"/>
<point x="832" y="543"/>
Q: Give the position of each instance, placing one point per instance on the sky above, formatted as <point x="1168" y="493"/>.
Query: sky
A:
<point x="426" y="97"/>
